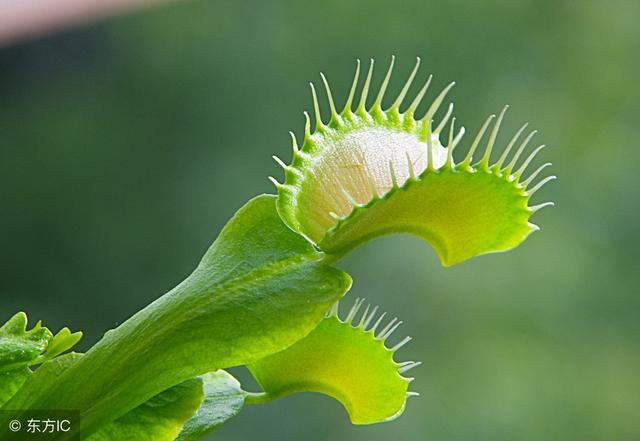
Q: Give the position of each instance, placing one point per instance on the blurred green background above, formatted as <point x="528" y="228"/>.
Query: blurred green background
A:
<point x="126" y="145"/>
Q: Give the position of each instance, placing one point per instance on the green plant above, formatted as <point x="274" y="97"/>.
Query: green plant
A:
<point x="265" y="294"/>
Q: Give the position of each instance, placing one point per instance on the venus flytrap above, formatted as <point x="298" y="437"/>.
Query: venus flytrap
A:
<point x="235" y="308"/>
<point x="345" y="359"/>
<point x="265" y="294"/>
<point x="388" y="172"/>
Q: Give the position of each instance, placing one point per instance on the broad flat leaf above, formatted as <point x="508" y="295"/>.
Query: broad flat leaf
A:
<point x="258" y="289"/>
<point x="41" y="380"/>
<point x="11" y="381"/>
<point x="215" y="397"/>
<point x="159" y="419"/>
<point x="46" y="375"/>
<point x="223" y="399"/>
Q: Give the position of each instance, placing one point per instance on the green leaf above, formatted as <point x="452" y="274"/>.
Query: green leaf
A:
<point x="185" y="412"/>
<point x="223" y="399"/>
<point x="41" y="380"/>
<point x="215" y="397"/>
<point x="345" y="359"/>
<point x="32" y="385"/>
<point x="258" y="289"/>
<point x="19" y="347"/>
<point x="373" y="172"/>
<point x="61" y="342"/>
<point x="11" y="381"/>
<point x="159" y="419"/>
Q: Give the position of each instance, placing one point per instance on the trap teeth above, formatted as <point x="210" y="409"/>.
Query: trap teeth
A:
<point x="407" y="366"/>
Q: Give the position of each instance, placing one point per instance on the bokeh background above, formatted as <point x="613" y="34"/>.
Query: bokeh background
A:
<point x="126" y="145"/>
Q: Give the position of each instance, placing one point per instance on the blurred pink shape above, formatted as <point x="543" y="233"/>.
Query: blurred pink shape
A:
<point x="24" y="19"/>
